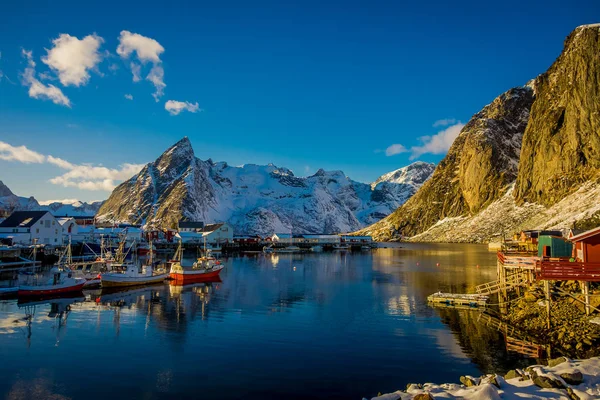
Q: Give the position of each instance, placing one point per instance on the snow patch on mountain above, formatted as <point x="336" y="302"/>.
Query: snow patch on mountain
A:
<point x="259" y="199"/>
<point x="10" y="202"/>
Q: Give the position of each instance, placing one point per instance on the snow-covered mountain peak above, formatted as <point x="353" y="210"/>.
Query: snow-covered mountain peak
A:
<point x="414" y="174"/>
<point x="253" y="198"/>
<point x="4" y="190"/>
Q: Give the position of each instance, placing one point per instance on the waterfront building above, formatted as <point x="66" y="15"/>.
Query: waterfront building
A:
<point x="587" y="246"/>
<point x="23" y="227"/>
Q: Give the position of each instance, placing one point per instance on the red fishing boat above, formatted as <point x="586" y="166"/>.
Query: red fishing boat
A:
<point x="205" y="269"/>
<point x="60" y="282"/>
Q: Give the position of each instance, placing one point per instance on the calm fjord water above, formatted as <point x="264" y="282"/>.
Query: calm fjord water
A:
<point x="329" y="325"/>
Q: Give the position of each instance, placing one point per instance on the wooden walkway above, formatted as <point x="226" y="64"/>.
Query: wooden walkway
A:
<point x="512" y="281"/>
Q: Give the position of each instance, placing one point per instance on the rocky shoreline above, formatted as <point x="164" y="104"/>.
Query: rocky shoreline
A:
<point x="572" y="334"/>
<point x="562" y="378"/>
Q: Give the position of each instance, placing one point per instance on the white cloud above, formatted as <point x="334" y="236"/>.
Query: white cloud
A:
<point x="82" y="176"/>
<point x="37" y="89"/>
<point x="438" y="143"/>
<point x="63" y="201"/>
<point x="157" y="77"/>
<point x="146" y="50"/>
<point x="444" y="122"/>
<point x="20" y="153"/>
<point x="136" y="70"/>
<point x="174" y="107"/>
<point x="395" y="149"/>
<point x="129" y="97"/>
<point x="88" y="177"/>
<point x="72" y="59"/>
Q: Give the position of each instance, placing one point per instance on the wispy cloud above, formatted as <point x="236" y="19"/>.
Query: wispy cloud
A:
<point x="444" y="122"/>
<point x="37" y="89"/>
<point x="129" y="96"/>
<point x="20" y="153"/>
<point x="82" y="176"/>
<point x="435" y="144"/>
<point x="174" y="107"/>
<point x="72" y="58"/>
<point x="395" y="149"/>
<point x="146" y="50"/>
<point x="438" y="143"/>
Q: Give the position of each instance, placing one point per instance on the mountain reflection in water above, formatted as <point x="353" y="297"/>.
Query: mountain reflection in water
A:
<point x="329" y="325"/>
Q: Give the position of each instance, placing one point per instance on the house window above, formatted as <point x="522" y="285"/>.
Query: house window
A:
<point x="55" y="240"/>
<point x="53" y="223"/>
<point x="37" y="230"/>
<point x="56" y="231"/>
<point x="15" y="230"/>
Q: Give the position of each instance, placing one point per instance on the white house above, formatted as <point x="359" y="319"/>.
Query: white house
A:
<point x="26" y="226"/>
<point x="218" y="233"/>
<point x="69" y="226"/>
<point x="190" y="226"/>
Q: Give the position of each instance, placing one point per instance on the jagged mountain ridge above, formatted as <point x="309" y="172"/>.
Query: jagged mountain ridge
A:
<point x="479" y="165"/>
<point x="547" y="184"/>
<point x="253" y="198"/>
<point x="10" y="202"/>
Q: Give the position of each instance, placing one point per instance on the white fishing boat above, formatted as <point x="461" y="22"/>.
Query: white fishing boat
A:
<point x="316" y="249"/>
<point x="132" y="273"/>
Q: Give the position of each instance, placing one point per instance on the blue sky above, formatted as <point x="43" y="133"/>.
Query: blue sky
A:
<point x="304" y="84"/>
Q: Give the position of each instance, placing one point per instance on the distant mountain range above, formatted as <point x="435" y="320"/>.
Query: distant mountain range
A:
<point x="10" y="202"/>
<point x="528" y="160"/>
<point x="256" y="199"/>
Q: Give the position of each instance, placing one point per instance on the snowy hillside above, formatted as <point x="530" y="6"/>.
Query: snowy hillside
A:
<point x="258" y="199"/>
<point x="10" y="202"/>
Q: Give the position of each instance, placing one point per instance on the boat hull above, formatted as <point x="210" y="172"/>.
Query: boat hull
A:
<point x="49" y="289"/>
<point x="186" y="277"/>
<point x="113" y="280"/>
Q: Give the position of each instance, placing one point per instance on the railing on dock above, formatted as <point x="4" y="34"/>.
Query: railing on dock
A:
<point x="517" y="260"/>
<point x="513" y="280"/>
<point x="567" y="271"/>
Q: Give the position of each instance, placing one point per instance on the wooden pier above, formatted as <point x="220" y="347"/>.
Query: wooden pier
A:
<point x="451" y="299"/>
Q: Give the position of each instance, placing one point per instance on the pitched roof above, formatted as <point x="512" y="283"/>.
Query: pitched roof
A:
<point x="212" y="227"/>
<point x="585" y="235"/>
<point x="22" y="219"/>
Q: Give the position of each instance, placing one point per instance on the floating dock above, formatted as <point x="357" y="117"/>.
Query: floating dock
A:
<point x="451" y="299"/>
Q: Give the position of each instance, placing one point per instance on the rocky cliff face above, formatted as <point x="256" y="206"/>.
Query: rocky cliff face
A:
<point x="254" y="198"/>
<point x="547" y="149"/>
<point x="479" y="165"/>
<point x="561" y="146"/>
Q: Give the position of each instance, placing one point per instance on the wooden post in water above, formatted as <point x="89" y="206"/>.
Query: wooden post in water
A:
<point x="547" y="291"/>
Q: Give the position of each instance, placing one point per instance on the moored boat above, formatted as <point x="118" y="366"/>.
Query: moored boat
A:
<point x="60" y="282"/>
<point x="131" y="273"/>
<point x="205" y="268"/>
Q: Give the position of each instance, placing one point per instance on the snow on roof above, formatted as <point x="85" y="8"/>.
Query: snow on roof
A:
<point x="283" y="235"/>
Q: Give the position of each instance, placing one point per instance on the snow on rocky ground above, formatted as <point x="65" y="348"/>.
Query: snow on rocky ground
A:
<point x="504" y="217"/>
<point x="559" y="381"/>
